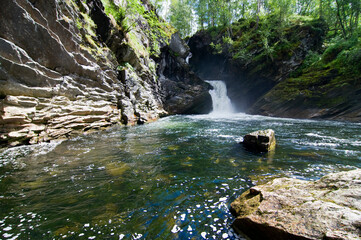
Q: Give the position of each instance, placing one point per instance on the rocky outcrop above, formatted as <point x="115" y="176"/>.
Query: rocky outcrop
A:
<point x="260" y="141"/>
<point x="285" y="208"/>
<point x="251" y="62"/>
<point x="321" y="94"/>
<point x="282" y="70"/>
<point x="67" y="67"/>
<point x="184" y="91"/>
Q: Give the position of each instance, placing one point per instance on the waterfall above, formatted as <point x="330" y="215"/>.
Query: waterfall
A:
<point x="188" y="57"/>
<point x="221" y="103"/>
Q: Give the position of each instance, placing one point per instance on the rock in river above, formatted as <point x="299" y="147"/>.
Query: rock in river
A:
<point x="260" y="141"/>
<point x="286" y="208"/>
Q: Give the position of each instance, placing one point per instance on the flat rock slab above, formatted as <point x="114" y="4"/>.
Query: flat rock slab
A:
<point x="260" y="141"/>
<point x="287" y="208"/>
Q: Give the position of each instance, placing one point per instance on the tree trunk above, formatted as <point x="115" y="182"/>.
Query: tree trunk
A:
<point x="258" y="10"/>
<point x="340" y="20"/>
<point x="321" y="8"/>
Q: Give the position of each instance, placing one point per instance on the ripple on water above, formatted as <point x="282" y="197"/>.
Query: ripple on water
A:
<point x="173" y="179"/>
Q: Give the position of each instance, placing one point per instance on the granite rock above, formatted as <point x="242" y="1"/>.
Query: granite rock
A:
<point x="286" y="208"/>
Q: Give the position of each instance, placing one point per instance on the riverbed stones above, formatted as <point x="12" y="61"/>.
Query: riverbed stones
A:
<point x="287" y="208"/>
<point x="260" y="141"/>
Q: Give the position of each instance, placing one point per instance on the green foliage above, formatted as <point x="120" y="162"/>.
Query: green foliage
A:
<point x="335" y="71"/>
<point x="112" y="9"/>
<point x="342" y="15"/>
<point x="227" y="40"/>
<point x="311" y="60"/>
<point x="118" y="13"/>
<point x="269" y="42"/>
<point x="349" y="55"/>
<point x="217" y="48"/>
<point x="181" y="17"/>
<point x="132" y="12"/>
<point x="87" y="31"/>
<point x="125" y="66"/>
<point x="337" y="46"/>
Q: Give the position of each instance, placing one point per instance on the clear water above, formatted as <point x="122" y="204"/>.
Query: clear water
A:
<point x="172" y="179"/>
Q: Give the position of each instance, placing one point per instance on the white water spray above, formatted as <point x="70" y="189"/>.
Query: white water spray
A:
<point x="188" y="57"/>
<point x="221" y="103"/>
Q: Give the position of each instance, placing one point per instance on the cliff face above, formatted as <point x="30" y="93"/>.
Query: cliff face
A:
<point x="72" y="66"/>
<point x="252" y="61"/>
<point x="184" y="91"/>
<point x="281" y="70"/>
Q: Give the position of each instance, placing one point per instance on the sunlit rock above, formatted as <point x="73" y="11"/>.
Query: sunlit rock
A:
<point x="286" y="208"/>
<point x="69" y="68"/>
<point x="260" y="141"/>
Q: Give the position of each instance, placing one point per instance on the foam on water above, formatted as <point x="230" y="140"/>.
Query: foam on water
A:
<point x="172" y="179"/>
<point x="221" y="103"/>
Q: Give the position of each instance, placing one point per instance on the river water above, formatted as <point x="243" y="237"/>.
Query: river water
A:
<point x="172" y="179"/>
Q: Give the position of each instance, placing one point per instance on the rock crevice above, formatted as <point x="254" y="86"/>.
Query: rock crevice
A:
<point x="67" y="67"/>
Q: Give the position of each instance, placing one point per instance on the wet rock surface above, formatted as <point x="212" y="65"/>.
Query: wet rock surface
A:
<point x="67" y="67"/>
<point x="260" y="141"/>
<point x="183" y="90"/>
<point x="286" y="208"/>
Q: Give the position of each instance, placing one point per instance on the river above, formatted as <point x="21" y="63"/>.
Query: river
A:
<point x="171" y="179"/>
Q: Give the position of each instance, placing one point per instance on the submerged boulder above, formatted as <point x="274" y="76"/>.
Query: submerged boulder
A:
<point x="286" y="208"/>
<point x="260" y="141"/>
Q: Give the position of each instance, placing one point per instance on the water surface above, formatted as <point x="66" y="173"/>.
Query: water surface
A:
<point x="172" y="179"/>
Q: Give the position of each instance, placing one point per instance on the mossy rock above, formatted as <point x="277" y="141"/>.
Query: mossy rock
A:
<point x="246" y="204"/>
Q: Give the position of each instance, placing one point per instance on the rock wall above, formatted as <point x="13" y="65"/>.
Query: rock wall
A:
<point x="244" y="63"/>
<point x="67" y="67"/>
<point x="184" y="91"/>
<point x="282" y="70"/>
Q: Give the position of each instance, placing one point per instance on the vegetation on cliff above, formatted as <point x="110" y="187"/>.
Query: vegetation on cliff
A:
<point x="83" y="65"/>
<point x="290" y="54"/>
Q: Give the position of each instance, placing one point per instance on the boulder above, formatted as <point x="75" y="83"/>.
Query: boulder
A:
<point x="260" y="141"/>
<point x="286" y="208"/>
<point x="178" y="46"/>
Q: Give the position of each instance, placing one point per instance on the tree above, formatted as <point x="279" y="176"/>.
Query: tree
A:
<point x="181" y="17"/>
<point x="341" y="15"/>
<point x="348" y="12"/>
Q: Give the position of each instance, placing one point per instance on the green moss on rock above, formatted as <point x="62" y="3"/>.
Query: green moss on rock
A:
<point x="246" y="204"/>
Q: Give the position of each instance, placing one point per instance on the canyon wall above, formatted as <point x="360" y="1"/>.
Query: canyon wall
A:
<point x="68" y="67"/>
<point x="281" y="69"/>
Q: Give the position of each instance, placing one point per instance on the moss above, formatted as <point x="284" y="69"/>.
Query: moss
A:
<point x="137" y="45"/>
<point x="117" y="12"/>
<point x="246" y="204"/>
<point x="87" y="32"/>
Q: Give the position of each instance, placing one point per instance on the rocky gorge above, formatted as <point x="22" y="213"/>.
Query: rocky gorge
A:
<point x="283" y="70"/>
<point x="68" y="67"/>
<point x="73" y="66"/>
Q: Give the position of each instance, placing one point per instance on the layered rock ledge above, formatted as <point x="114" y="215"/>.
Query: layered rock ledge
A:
<point x="67" y="67"/>
<point x="286" y="208"/>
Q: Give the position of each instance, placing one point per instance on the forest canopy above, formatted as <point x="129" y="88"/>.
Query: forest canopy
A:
<point x="187" y="16"/>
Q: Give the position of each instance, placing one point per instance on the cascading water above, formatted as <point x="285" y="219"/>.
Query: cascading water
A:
<point x="221" y="103"/>
<point x="188" y="57"/>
